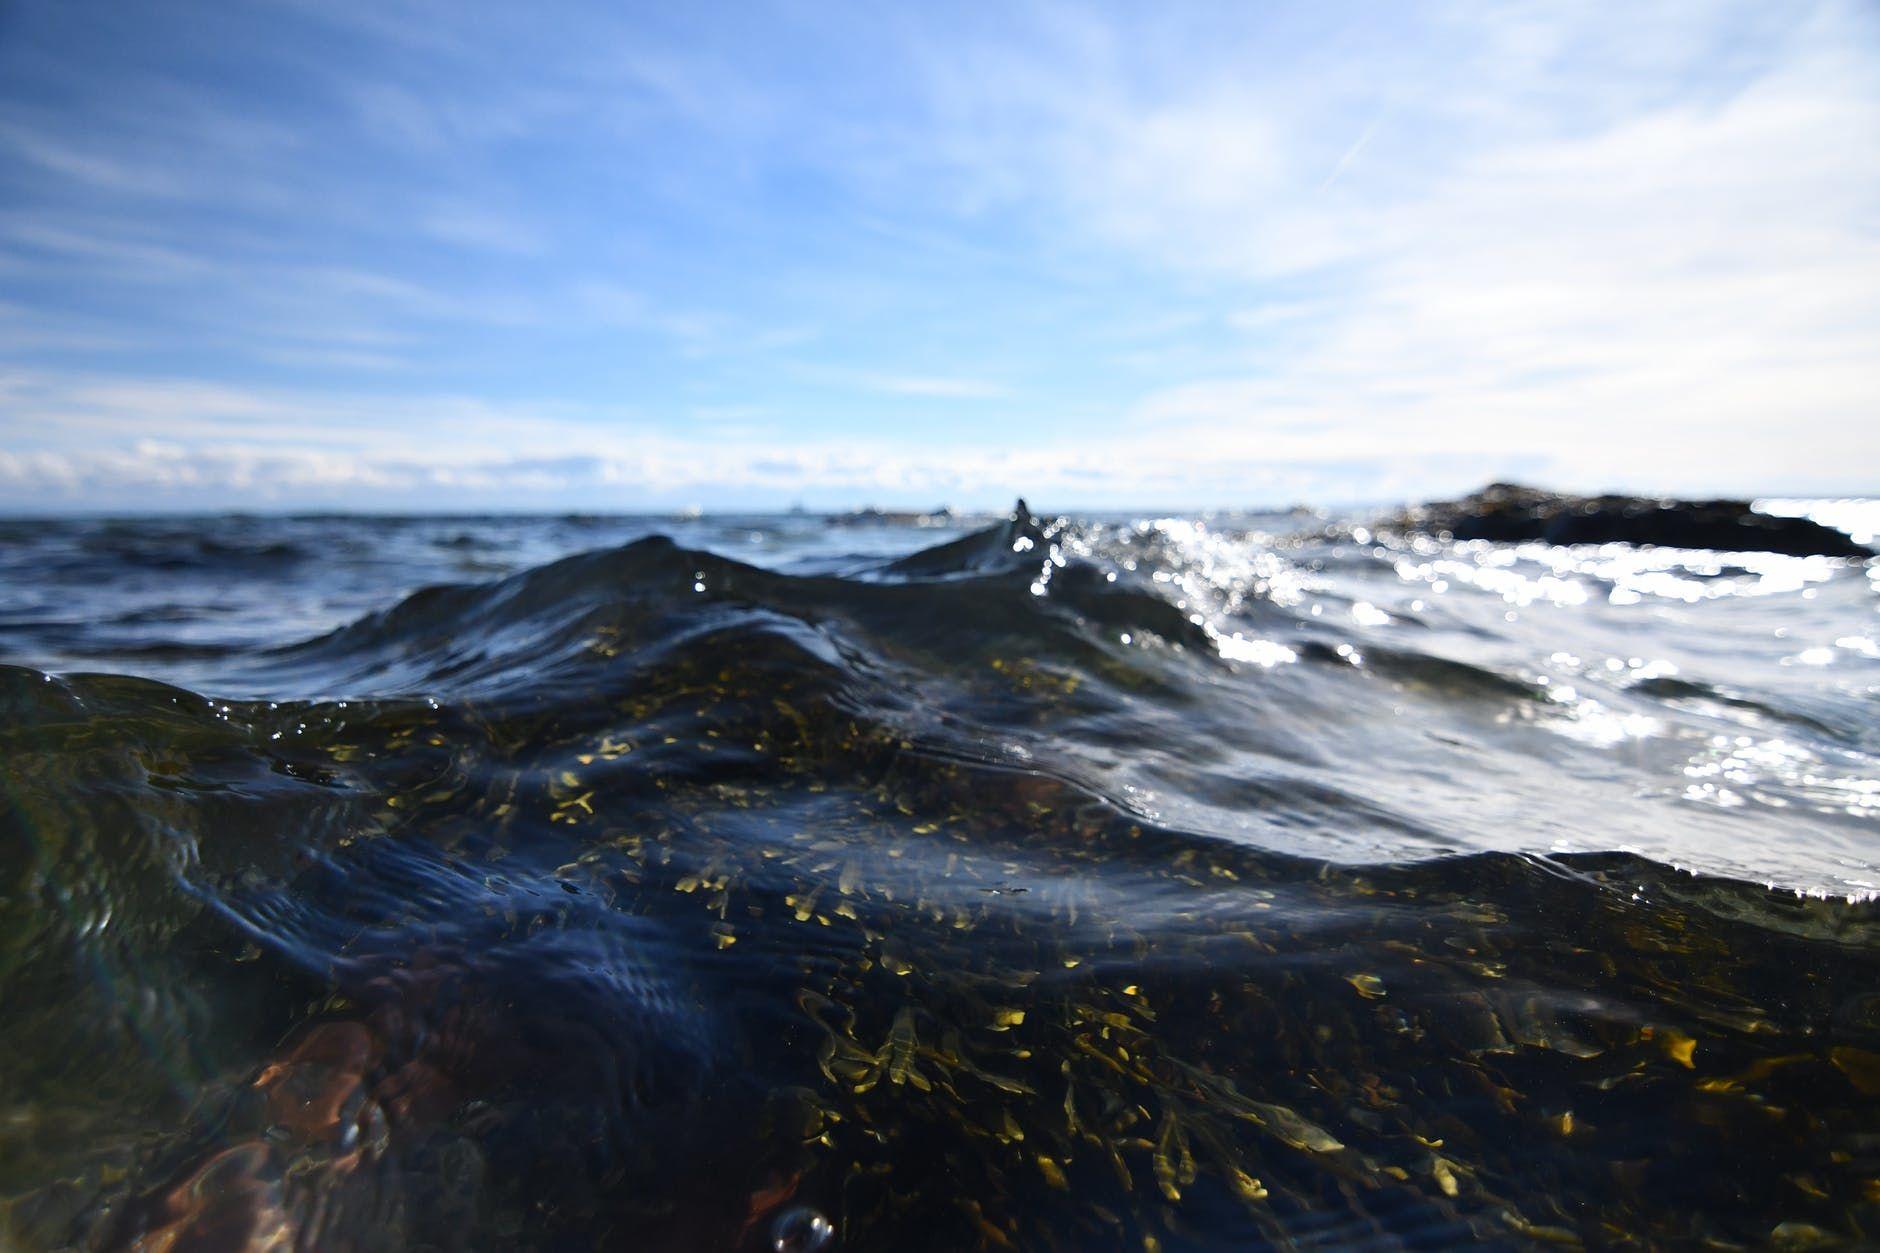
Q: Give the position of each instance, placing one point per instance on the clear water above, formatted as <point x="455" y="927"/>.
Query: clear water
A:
<point x="1060" y="883"/>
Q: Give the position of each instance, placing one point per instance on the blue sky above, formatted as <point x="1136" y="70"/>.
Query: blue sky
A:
<point x="304" y="253"/>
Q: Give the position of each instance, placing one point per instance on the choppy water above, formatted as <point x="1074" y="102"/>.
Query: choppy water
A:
<point x="1091" y="883"/>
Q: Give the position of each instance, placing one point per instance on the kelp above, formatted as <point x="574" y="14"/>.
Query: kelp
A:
<point x="933" y="993"/>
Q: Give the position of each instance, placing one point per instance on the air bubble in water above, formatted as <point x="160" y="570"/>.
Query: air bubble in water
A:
<point x="801" y="1230"/>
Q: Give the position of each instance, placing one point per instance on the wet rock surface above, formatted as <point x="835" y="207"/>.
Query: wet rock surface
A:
<point x="1510" y="513"/>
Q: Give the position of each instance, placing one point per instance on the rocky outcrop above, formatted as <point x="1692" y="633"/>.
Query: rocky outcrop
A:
<point x="1509" y="513"/>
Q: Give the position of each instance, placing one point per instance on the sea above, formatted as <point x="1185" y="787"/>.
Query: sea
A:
<point x="933" y="881"/>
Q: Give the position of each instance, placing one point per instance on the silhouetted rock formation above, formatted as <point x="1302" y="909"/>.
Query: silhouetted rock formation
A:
<point x="1509" y="513"/>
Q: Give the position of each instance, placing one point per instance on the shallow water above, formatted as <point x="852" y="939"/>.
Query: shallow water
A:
<point x="1034" y="883"/>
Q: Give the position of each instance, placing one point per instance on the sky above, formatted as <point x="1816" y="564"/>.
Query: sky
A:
<point x="403" y="255"/>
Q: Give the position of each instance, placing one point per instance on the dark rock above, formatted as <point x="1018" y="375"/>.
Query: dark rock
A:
<point x="1508" y="513"/>
<point x="872" y="516"/>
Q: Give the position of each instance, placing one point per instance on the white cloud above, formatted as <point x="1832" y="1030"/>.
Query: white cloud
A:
<point x="86" y="165"/>
<point x="1592" y="264"/>
<point x="1287" y="252"/>
<point x="479" y="229"/>
<point x="938" y="388"/>
<point x="223" y="445"/>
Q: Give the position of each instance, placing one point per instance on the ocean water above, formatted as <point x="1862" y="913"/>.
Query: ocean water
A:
<point x="790" y="882"/>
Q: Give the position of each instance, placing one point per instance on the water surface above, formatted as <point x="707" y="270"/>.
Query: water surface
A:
<point x="1104" y="882"/>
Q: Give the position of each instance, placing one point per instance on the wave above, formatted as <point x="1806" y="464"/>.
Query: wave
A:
<point x="648" y="891"/>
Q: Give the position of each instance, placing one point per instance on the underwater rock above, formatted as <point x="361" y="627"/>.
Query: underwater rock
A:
<point x="1510" y="513"/>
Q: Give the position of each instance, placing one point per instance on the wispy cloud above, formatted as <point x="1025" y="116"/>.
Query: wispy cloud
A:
<point x="480" y="229"/>
<point x="938" y="388"/>
<point x="1209" y="253"/>
<point x="1351" y="154"/>
<point x="1639" y="296"/>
